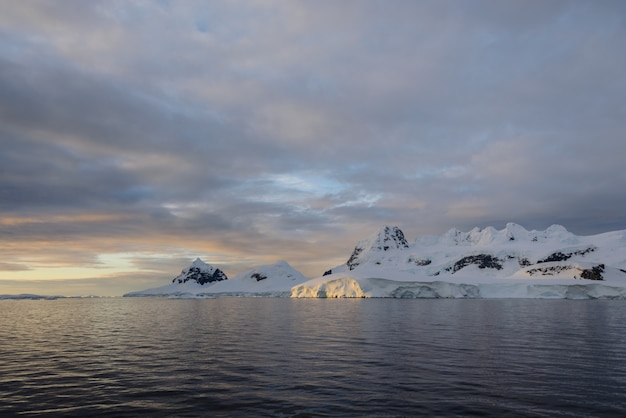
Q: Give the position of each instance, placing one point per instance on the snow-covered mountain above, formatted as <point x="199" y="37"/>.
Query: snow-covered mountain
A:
<point x="512" y="262"/>
<point x="201" y="273"/>
<point x="386" y="239"/>
<point x="269" y="280"/>
<point x="482" y="263"/>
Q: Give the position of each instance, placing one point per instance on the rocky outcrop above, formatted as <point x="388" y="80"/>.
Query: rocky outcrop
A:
<point x="483" y="261"/>
<point x="386" y="239"/>
<point x="391" y="237"/>
<point x="258" y="276"/>
<point x="201" y="273"/>
<point x="554" y="269"/>
<point x="353" y="260"/>
<point x="560" y="256"/>
<point x="594" y="273"/>
<point x="419" y="262"/>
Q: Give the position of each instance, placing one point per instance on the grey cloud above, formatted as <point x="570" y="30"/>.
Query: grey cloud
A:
<point x="13" y="267"/>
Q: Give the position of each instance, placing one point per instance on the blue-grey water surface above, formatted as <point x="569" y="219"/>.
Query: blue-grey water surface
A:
<point x="312" y="357"/>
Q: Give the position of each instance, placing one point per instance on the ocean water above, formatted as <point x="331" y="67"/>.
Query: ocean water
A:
<point x="312" y="357"/>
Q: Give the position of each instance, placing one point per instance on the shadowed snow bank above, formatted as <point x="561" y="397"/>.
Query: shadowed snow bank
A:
<point x="348" y="287"/>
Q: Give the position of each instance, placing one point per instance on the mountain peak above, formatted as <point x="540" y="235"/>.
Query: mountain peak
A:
<point x="200" y="272"/>
<point x="387" y="238"/>
<point x="514" y="231"/>
<point x="200" y="264"/>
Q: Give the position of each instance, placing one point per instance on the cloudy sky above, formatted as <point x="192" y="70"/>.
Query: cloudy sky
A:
<point x="138" y="135"/>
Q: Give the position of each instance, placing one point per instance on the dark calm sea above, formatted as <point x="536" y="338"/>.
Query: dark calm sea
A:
<point x="312" y="357"/>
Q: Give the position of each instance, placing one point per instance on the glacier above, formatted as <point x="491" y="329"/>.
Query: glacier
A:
<point x="482" y="263"/>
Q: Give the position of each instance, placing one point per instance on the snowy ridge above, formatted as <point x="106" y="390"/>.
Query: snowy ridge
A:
<point x="512" y="262"/>
<point x="269" y="280"/>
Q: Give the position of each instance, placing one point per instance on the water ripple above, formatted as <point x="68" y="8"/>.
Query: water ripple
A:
<point x="286" y="357"/>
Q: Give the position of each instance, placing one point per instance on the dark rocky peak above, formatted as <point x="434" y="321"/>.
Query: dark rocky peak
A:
<point x="200" y="272"/>
<point x="387" y="238"/>
<point x="391" y="237"/>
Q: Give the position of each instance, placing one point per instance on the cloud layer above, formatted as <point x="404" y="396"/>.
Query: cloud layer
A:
<point x="248" y="132"/>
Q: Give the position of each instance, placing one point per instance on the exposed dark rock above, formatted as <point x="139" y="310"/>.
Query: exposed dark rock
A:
<point x="585" y="251"/>
<point x="200" y="276"/>
<point x="386" y="239"/>
<point x="559" y="256"/>
<point x="328" y="272"/>
<point x="393" y="235"/>
<point x="523" y="262"/>
<point x="258" y="277"/>
<point x="622" y="270"/>
<point x="352" y="261"/>
<point x="594" y="273"/>
<point x="419" y="262"/>
<point x="548" y="271"/>
<point x="483" y="261"/>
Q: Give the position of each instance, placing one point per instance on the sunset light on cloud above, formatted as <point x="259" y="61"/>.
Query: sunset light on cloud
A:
<point x="137" y="136"/>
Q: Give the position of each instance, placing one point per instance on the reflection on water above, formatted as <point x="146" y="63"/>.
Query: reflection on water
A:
<point x="287" y="357"/>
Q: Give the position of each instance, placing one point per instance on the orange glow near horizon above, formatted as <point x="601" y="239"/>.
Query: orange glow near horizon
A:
<point x="89" y="217"/>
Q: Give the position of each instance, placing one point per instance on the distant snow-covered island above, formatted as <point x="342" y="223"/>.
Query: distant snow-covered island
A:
<point x="202" y="280"/>
<point x="482" y="263"/>
<point x="31" y="296"/>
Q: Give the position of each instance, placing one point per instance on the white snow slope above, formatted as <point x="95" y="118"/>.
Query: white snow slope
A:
<point x="274" y="280"/>
<point x="481" y="263"/>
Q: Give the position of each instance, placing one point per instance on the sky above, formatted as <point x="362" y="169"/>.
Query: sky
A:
<point x="136" y="136"/>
